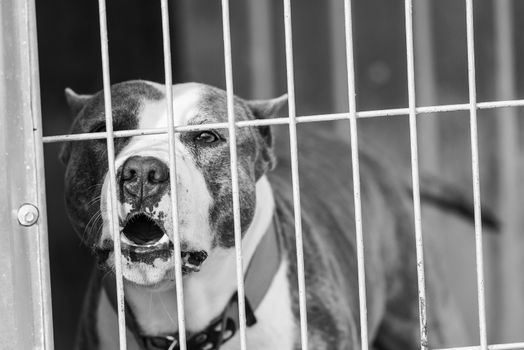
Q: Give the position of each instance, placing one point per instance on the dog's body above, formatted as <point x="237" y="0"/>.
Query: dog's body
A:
<point x="206" y="225"/>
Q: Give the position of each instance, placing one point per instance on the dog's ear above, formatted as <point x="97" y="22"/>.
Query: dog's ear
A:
<point x="266" y="109"/>
<point x="75" y="101"/>
<point x="65" y="152"/>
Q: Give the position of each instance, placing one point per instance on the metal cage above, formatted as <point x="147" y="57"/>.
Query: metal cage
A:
<point x="26" y="302"/>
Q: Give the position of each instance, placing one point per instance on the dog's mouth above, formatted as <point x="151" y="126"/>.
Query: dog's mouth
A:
<point x="144" y="239"/>
<point x="142" y="231"/>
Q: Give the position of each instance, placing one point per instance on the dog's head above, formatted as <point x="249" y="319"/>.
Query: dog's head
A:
<point x="203" y="179"/>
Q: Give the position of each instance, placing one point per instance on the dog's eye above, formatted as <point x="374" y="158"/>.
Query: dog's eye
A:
<point x="207" y="137"/>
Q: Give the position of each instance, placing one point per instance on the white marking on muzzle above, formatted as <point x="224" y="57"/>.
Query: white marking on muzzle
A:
<point x="194" y="199"/>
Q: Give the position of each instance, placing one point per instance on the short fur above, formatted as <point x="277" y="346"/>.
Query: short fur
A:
<point x="328" y="223"/>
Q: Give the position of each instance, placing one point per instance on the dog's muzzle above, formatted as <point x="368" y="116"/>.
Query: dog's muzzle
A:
<point x="143" y="181"/>
<point x="142" y="231"/>
<point x="142" y="237"/>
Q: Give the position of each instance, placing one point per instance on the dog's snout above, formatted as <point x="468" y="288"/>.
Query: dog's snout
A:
<point x="143" y="177"/>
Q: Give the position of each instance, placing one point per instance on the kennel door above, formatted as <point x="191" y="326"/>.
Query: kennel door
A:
<point x="25" y="295"/>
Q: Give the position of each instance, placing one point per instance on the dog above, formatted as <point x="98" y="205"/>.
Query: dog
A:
<point x="205" y="224"/>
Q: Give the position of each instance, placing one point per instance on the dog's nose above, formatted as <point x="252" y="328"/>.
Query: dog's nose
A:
<point x="143" y="177"/>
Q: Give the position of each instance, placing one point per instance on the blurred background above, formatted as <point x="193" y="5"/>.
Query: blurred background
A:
<point x="69" y="55"/>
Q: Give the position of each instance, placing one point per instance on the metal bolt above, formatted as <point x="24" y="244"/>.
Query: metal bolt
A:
<point x="28" y="214"/>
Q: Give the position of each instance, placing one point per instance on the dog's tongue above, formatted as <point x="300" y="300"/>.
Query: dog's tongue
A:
<point x="140" y="237"/>
<point x="143" y="230"/>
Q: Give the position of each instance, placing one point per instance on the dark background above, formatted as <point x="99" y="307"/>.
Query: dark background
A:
<point x="69" y="54"/>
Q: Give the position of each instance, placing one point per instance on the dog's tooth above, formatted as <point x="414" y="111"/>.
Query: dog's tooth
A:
<point x="192" y="267"/>
<point x="164" y="239"/>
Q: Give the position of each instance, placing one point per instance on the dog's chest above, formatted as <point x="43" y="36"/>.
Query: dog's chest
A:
<point x="275" y="327"/>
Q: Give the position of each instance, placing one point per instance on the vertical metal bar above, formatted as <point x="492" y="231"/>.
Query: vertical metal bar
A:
<point x="476" y="174"/>
<point x="172" y="175"/>
<point x="25" y="297"/>
<point x="356" y="174"/>
<point x="42" y="257"/>
<point x="234" y="171"/>
<point x="112" y="204"/>
<point x="294" y="173"/>
<point x="509" y="302"/>
<point x="415" y="173"/>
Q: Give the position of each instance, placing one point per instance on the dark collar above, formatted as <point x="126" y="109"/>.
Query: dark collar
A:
<point x="260" y="273"/>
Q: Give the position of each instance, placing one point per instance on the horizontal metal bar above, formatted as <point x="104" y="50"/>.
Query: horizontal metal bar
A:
<point x="507" y="346"/>
<point x="284" y="120"/>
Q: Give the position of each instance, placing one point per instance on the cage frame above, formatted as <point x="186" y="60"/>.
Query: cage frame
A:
<point x="32" y="142"/>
